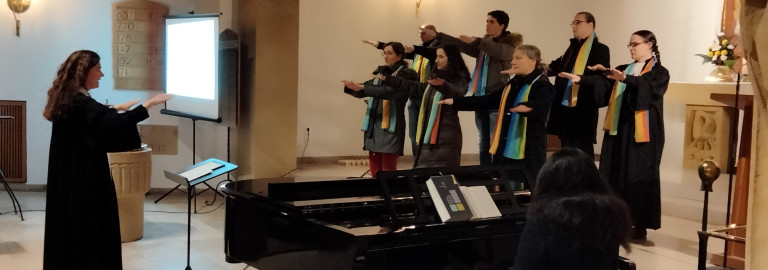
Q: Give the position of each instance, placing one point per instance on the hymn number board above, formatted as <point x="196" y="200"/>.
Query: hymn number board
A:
<point x="137" y="44"/>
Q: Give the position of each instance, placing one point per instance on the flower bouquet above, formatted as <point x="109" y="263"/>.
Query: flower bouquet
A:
<point x="720" y="52"/>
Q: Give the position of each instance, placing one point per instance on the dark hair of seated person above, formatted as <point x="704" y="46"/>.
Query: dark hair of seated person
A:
<point x="571" y="194"/>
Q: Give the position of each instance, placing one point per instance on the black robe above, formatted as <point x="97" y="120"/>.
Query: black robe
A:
<point x="578" y="122"/>
<point x="82" y="229"/>
<point x="539" y="99"/>
<point x="633" y="168"/>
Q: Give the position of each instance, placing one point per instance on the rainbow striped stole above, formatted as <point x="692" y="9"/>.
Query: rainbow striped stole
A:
<point x="423" y="66"/>
<point x="479" y="75"/>
<point x="518" y="126"/>
<point x="572" y="90"/>
<point x="497" y="132"/>
<point x="433" y="123"/>
<point x="642" y="122"/>
<point x="388" y="110"/>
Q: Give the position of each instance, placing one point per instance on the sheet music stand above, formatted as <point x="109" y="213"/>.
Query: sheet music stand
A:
<point x="412" y="183"/>
<point x="190" y="184"/>
<point x="7" y="187"/>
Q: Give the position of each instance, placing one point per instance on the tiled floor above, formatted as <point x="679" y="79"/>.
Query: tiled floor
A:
<point x="675" y="246"/>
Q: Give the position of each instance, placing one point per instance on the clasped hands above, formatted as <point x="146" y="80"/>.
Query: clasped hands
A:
<point x="614" y="75"/>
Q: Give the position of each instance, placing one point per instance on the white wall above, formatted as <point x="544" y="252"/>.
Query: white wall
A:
<point x="330" y="50"/>
<point x="50" y="31"/>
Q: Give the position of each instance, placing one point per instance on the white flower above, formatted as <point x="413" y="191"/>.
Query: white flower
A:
<point x="720" y="34"/>
<point x="723" y="57"/>
<point x="730" y="47"/>
<point x="714" y="58"/>
<point x="714" y="48"/>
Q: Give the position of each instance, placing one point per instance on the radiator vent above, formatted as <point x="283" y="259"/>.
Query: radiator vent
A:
<point x="13" y="141"/>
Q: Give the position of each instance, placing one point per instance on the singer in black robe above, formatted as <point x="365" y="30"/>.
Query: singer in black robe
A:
<point x="632" y="167"/>
<point x="82" y="225"/>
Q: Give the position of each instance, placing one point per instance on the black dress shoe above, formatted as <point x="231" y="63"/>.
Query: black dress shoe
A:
<point x="639" y="234"/>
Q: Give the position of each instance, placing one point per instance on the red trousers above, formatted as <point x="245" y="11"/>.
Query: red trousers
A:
<point x="382" y="162"/>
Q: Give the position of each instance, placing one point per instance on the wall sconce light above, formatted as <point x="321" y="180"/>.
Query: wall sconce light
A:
<point x="418" y="5"/>
<point x="17" y="7"/>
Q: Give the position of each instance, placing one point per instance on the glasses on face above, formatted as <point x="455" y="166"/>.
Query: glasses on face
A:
<point x="577" y="22"/>
<point x="634" y="44"/>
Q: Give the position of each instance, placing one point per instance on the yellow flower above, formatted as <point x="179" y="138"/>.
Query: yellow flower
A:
<point x="717" y="53"/>
<point x="725" y="41"/>
<point x="723" y="52"/>
<point x="710" y="54"/>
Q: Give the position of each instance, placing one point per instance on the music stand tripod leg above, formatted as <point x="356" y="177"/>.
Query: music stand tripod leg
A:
<point x="14" y="200"/>
<point x="168" y="193"/>
<point x="190" y="192"/>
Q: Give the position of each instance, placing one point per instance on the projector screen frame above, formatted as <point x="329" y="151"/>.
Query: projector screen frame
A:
<point x="217" y="100"/>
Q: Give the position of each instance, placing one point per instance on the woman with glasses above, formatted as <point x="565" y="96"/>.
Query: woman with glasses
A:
<point x="384" y="121"/>
<point x="574" y="113"/>
<point x="438" y="132"/>
<point x="634" y="128"/>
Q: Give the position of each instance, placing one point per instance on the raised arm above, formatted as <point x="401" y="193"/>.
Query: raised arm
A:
<point x="428" y="52"/>
<point x="499" y="49"/>
<point x="478" y="103"/>
<point x="464" y="47"/>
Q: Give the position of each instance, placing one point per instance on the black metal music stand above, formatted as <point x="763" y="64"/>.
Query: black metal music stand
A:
<point x="7" y="187"/>
<point x="190" y="185"/>
<point x="194" y="135"/>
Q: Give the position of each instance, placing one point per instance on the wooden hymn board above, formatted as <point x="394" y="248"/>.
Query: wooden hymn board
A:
<point x="137" y="44"/>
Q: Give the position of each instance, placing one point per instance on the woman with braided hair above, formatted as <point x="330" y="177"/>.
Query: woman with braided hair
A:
<point x="634" y="128"/>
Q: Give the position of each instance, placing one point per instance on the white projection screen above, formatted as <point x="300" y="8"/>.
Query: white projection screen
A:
<point x="191" y="62"/>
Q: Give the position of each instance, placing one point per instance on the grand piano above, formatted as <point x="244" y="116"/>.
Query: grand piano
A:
<point x="388" y="222"/>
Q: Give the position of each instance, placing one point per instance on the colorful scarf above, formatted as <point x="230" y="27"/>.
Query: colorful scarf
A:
<point x="423" y="66"/>
<point x="642" y="122"/>
<point x="433" y="123"/>
<point x="572" y="90"/>
<point x="515" y="145"/>
<point x="388" y="111"/>
<point x="480" y="75"/>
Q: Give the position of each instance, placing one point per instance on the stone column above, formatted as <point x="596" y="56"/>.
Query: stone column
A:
<point x="754" y="38"/>
<point x="132" y="173"/>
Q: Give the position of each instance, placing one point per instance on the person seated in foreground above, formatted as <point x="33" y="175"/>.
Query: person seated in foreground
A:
<point x="575" y="221"/>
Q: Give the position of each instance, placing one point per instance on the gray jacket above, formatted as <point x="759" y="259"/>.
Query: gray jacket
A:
<point x="499" y="50"/>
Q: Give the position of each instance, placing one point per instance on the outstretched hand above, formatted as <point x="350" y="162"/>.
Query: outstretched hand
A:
<point x="160" y="98"/>
<point x="375" y="44"/>
<point x="447" y="101"/>
<point x="520" y="109"/>
<point x="126" y="106"/>
<point x="380" y="77"/>
<point x="408" y="48"/>
<point x="436" y="81"/>
<point x="352" y="85"/>
<point x="597" y="67"/>
<point x="573" y="77"/>
<point x="467" y="39"/>
<point x="616" y="75"/>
